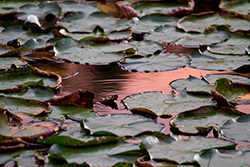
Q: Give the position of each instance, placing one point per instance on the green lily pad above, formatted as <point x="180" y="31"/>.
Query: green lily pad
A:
<point x="149" y="22"/>
<point x="8" y="61"/>
<point x="217" y="62"/>
<point x="204" y="86"/>
<point x="183" y="150"/>
<point x="38" y="92"/>
<point x="23" y="77"/>
<point x="74" y="137"/>
<point x="215" y="157"/>
<point x="121" y="125"/>
<point x="202" y="21"/>
<point x="102" y="155"/>
<point x="225" y="90"/>
<point x="170" y="34"/>
<point x="102" y="54"/>
<point x="25" y="106"/>
<point x="236" y="45"/>
<point x="20" y="158"/>
<point x="237" y="129"/>
<point x="192" y="85"/>
<point x="97" y="19"/>
<point x="155" y="63"/>
<point x="147" y="7"/>
<point x="202" y="118"/>
<point x="166" y="104"/>
<point x="239" y="6"/>
<point x="59" y="112"/>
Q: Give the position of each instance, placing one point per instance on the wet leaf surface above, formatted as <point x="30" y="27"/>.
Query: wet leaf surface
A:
<point x="202" y="118"/>
<point x="237" y="129"/>
<point x="166" y="104"/>
<point x="182" y="150"/>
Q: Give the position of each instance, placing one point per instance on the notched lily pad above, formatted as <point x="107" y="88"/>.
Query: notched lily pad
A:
<point x="237" y="129"/>
<point x="166" y="104"/>
<point x="226" y="92"/>
<point x="181" y="151"/>
<point x="120" y="125"/>
<point x="199" y="120"/>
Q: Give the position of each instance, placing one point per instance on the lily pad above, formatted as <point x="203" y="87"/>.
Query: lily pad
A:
<point x="121" y="125"/>
<point x="156" y="63"/>
<point x="171" y="34"/>
<point x="102" y="54"/>
<point x="74" y="137"/>
<point x="183" y="150"/>
<point x="219" y="157"/>
<point x="239" y="6"/>
<point x="15" y="79"/>
<point x="24" y="106"/>
<point x="149" y="22"/>
<point x="217" y="62"/>
<point x="202" y="21"/>
<point x="237" y="129"/>
<point x="102" y="155"/>
<point x="205" y="84"/>
<point x="236" y="45"/>
<point x="8" y="61"/>
<point x="202" y="118"/>
<point x="166" y="104"/>
<point x="147" y="7"/>
<point x="225" y="91"/>
<point x="60" y="112"/>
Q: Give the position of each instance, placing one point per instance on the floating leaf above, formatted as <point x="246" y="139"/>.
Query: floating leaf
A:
<point x="155" y="63"/>
<point x="236" y="45"/>
<point x="25" y="106"/>
<point x="8" y="61"/>
<point x="204" y="86"/>
<point x="183" y="150"/>
<point x="16" y="79"/>
<point x="237" y="130"/>
<point x="210" y="61"/>
<point x="121" y="125"/>
<point x="238" y="6"/>
<point x="203" y="21"/>
<point x="74" y="137"/>
<point x="219" y="157"/>
<point x="150" y="22"/>
<point x="225" y="91"/>
<point x="102" y="54"/>
<point x="202" y="118"/>
<point x="166" y="104"/>
<point x="102" y="155"/>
